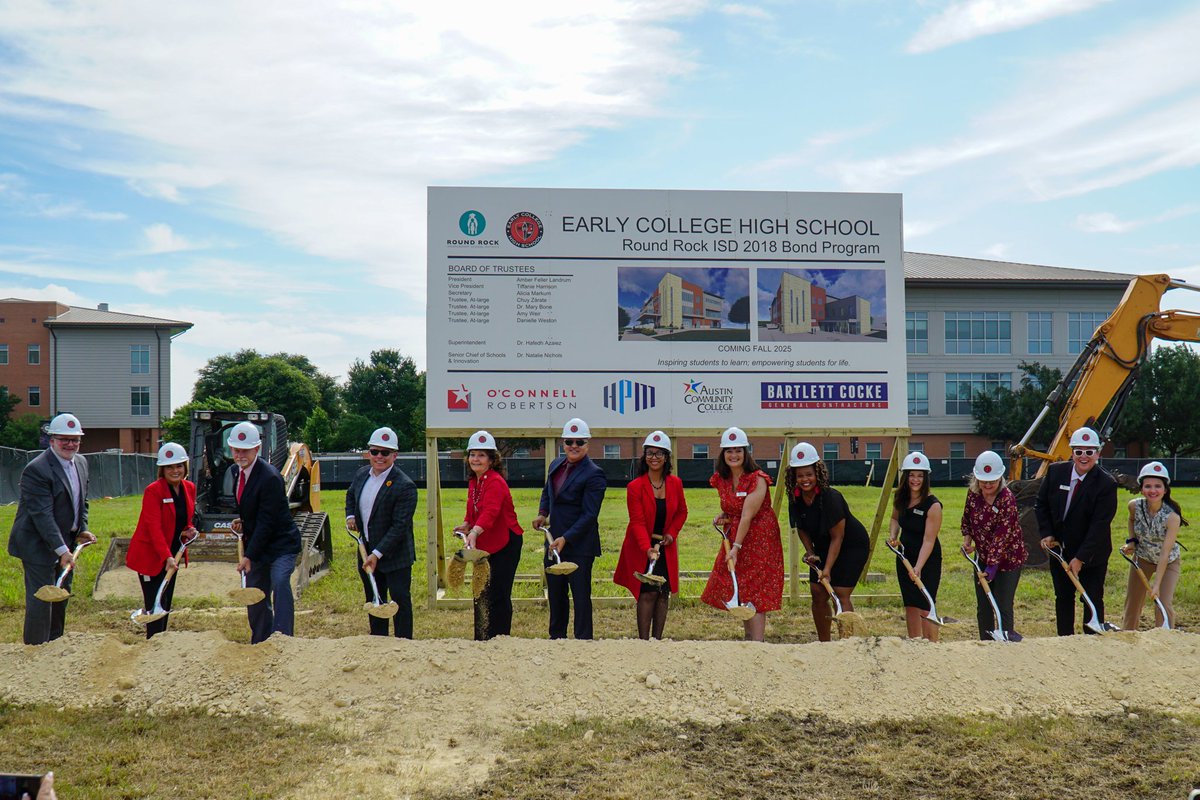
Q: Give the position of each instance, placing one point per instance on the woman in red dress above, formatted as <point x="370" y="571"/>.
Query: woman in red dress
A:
<point x="756" y="550"/>
<point x="657" y="512"/>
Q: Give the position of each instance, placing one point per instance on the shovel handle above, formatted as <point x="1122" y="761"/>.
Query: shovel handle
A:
<point x="1138" y="569"/>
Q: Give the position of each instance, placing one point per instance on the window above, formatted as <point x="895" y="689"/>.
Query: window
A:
<point x="1041" y="332"/>
<point x="3" y="354"/>
<point x="916" y="447"/>
<point x="916" y="331"/>
<point x="1080" y="327"/>
<point x="521" y="452"/>
<point x="612" y="451"/>
<point x="139" y="359"/>
<point x="35" y="395"/>
<point x="139" y="401"/>
<point x="699" y="451"/>
<point x="961" y="388"/>
<point x="999" y="447"/>
<point x="874" y="451"/>
<point x="918" y="393"/>
<point x="35" y="354"/>
<point x="829" y="451"/>
<point x="971" y="332"/>
<point x="958" y="449"/>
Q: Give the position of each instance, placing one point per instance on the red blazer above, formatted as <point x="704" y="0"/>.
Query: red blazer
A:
<point x="490" y="506"/>
<point x="639" y="496"/>
<point x="150" y="546"/>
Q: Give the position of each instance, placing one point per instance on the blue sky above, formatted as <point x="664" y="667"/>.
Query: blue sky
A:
<point x="260" y="169"/>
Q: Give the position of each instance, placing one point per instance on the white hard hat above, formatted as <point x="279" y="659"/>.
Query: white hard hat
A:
<point x="657" y="439"/>
<point x="65" y="425"/>
<point x="734" y="437"/>
<point x="244" y="436"/>
<point x="171" y="453"/>
<point x="384" y="437"/>
<point x="989" y="466"/>
<point x="918" y="461"/>
<point x="1085" y="437"/>
<point x="1154" y="469"/>
<point x="803" y="455"/>
<point x="481" y="440"/>
<point x="576" y="429"/>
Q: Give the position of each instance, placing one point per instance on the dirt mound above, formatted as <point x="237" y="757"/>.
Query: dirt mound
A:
<point x="407" y="693"/>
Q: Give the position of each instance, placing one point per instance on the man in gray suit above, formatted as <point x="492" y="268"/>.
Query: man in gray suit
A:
<point x="51" y="519"/>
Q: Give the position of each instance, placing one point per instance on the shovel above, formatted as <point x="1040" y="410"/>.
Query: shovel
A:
<point x="468" y="553"/>
<point x="143" y="617"/>
<point x="55" y="593"/>
<point x="1138" y="569"/>
<point x="648" y="576"/>
<point x="559" y="567"/>
<point x="375" y="608"/>
<point x="849" y="623"/>
<point x="1094" y="624"/>
<point x="245" y="596"/>
<point x="999" y="633"/>
<point x="912" y="573"/>
<point x="741" y="611"/>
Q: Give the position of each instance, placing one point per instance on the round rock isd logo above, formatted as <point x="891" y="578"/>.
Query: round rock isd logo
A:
<point x="471" y="223"/>
<point x="707" y="399"/>
<point x="524" y="229"/>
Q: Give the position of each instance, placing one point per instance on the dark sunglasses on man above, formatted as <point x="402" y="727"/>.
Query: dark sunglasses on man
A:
<point x="375" y="451"/>
<point x="574" y="442"/>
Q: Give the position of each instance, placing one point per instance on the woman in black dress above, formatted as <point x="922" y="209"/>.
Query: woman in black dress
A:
<point x="916" y="520"/>
<point x="836" y="545"/>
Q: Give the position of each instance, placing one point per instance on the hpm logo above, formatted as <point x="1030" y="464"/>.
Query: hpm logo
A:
<point x="626" y="395"/>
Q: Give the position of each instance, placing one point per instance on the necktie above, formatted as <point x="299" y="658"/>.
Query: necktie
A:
<point x="1070" y="495"/>
<point x="241" y="484"/>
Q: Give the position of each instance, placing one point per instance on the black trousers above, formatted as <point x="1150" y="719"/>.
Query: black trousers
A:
<point x="396" y="584"/>
<point x="1092" y="579"/>
<point x="1004" y="590"/>
<point x="150" y="584"/>
<point x="44" y="622"/>
<point x="579" y="585"/>
<point x="493" y="608"/>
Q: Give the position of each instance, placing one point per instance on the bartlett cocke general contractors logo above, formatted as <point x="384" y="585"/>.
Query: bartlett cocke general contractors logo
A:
<point x="626" y="395"/>
<point x="706" y="399"/>
<point x="524" y="229"/>
<point x="472" y="224"/>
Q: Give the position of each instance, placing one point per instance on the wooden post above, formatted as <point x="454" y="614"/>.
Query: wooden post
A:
<point x="899" y="450"/>
<point x="780" y="505"/>
<point x="434" y="563"/>
<point x="549" y="453"/>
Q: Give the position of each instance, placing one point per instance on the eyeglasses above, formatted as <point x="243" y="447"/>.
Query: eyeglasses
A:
<point x="377" y="452"/>
<point x="574" y="442"/>
<point x="1085" y="452"/>
<point x="655" y="454"/>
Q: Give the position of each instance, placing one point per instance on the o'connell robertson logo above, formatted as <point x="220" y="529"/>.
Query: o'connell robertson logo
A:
<point x="524" y="229"/>
<point x="824" y="395"/>
<point x="625" y="394"/>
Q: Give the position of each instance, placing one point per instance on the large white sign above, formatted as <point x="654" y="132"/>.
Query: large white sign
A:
<point x="664" y="309"/>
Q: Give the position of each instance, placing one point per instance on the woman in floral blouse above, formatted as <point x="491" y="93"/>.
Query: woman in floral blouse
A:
<point x="1154" y="520"/>
<point x="990" y="525"/>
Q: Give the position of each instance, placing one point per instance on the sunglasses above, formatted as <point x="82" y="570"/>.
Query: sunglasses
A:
<point x="377" y="452"/>
<point x="574" y="442"/>
<point x="1085" y="452"/>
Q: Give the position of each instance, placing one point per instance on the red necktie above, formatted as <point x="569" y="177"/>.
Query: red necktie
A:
<point x="241" y="484"/>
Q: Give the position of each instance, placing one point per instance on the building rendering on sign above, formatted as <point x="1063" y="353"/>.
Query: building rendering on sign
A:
<point x="677" y="304"/>
<point x="801" y="306"/>
<point x="113" y="370"/>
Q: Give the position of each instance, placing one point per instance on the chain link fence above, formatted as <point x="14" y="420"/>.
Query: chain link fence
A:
<point x="109" y="474"/>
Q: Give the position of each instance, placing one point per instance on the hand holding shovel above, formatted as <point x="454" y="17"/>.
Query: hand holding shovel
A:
<point x="55" y="593"/>
<point x="738" y="610"/>
<point x="898" y="549"/>
<point x="559" y="567"/>
<point x="1137" y="567"/>
<point x="375" y="608"/>
<point x="1094" y="624"/>
<point x="245" y="596"/>
<point x="648" y="577"/>
<point x="999" y="633"/>
<point x="157" y="612"/>
<point x="849" y="623"/>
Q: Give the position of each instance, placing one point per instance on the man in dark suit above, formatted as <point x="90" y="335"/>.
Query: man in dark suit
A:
<point x="380" y="505"/>
<point x="1075" y="508"/>
<point x="571" y="499"/>
<point x="270" y="534"/>
<point x="52" y="516"/>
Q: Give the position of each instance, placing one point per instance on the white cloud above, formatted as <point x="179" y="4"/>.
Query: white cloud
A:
<point x="323" y="124"/>
<point x="743" y="10"/>
<point x="160" y="238"/>
<point x="998" y="251"/>
<point x="50" y="291"/>
<point x="1107" y="222"/>
<point x="13" y="190"/>
<point x="971" y="19"/>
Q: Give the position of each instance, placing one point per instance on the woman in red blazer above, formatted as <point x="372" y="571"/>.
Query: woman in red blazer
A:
<point x="657" y="511"/>
<point x="491" y="525"/>
<point x="168" y="508"/>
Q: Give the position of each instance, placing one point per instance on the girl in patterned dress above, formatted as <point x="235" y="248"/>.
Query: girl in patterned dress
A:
<point x="990" y="525"/>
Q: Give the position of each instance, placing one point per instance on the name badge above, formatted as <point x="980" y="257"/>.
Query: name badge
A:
<point x="168" y="500"/>
<point x="918" y="512"/>
<point x="1066" y="488"/>
<point x="740" y="494"/>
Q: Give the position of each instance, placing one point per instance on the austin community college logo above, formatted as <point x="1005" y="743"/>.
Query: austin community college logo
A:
<point x="471" y="223"/>
<point x="705" y="399"/>
<point x="524" y="229"/>
<point x="458" y="399"/>
<point x="625" y="394"/>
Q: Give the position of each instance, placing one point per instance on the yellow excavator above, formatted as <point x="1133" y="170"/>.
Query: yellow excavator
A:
<point x="1093" y="392"/>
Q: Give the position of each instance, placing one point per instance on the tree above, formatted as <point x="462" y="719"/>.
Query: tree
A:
<point x="1005" y="414"/>
<point x="7" y="403"/>
<point x="388" y="390"/>
<point x="353" y="432"/>
<point x="331" y="392"/>
<point x="285" y="383"/>
<point x="739" y="312"/>
<point x="1161" y="407"/>
<point x="622" y="319"/>
<point x="178" y="426"/>
<point x="318" y="431"/>
<point x="23" y="432"/>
